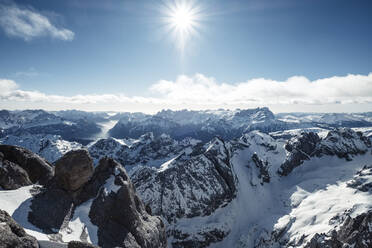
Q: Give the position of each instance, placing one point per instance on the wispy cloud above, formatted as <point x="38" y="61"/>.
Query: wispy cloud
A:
<point x="199" y="91"/>
<point x="27" y="23"/>
<point x="30" y="72"/>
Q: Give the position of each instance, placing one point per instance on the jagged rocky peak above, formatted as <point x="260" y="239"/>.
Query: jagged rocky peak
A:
<point x="257" y="114"/>
<point x="354" y="232"/>
<point x="190" y="187"/>
<point x="106" y="195"/>
<point x="21" y="167"/>
<point x="344" y="142"/>
<point x="148" y="150"/>
<point x="121" y="216"/>
<point x="341" y="142"/>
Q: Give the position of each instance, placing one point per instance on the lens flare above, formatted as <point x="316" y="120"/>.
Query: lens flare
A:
<point x="182" y="19"/>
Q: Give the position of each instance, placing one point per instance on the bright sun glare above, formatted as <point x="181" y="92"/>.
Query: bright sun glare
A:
<point x="182" y="20"/>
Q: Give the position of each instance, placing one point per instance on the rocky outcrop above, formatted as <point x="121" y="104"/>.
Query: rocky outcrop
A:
<point x="13" y="235"/>
<point x="354" y="232"/>
<point x="115" y="208"/>
<point x="263" y="169"/>
<point x="21" y="167"/>
<point x="341" y="142"/>
<point x="12" y="176"/>
<point x="300" y="148"/>
<point x="362" y="179"/>
<point x="73" y="170"/>
<point x="344" y="143"/>
<point x="119" y="213"/>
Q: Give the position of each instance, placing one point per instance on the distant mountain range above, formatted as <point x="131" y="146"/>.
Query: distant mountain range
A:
<point x="84" y="127"/>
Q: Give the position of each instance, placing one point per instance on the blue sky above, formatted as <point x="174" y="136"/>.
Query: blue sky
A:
<point x="123" y="48"/>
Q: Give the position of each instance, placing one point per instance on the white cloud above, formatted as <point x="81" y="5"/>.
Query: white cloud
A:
<point x="201" y="92"/>
<point x="295" y="90"/>
<point x="27" y="23"/>
<point x="7" y="86"/>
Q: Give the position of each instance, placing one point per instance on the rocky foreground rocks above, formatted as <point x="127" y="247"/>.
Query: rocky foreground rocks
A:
<point x="115" y="208"/>
<point x="13" y="235"/>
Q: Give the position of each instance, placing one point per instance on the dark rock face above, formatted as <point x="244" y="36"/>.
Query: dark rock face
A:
<point x="77" y="244"/>
<point x="301" y="148"/>
<point x="354" y="232"/>
<point x="13" y="235"/>
<point x="12" y="176"/>
<point x="73" y="170"/>
<point x="120" y="214"/>
<point x="22" y="167"/>
<point x="116" y="210"/>
<point x="183" y="240"/>
<point x="51" y="202"/>
<point x="263" y="167"/>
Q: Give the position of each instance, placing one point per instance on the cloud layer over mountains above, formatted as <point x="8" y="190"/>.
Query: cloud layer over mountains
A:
<point x="200" y="91"/>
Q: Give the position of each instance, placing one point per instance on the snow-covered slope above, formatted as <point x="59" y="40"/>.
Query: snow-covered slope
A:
<point x="43" y="122"/>
<point x="146" y="150"/>
<point x="269" y="209"/>
<point x="51" y="147"/>
<point x="258" y="190"/>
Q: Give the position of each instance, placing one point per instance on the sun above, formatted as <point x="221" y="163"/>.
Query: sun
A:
<point x="182" y="18"/>
<point x="183" y="21"/>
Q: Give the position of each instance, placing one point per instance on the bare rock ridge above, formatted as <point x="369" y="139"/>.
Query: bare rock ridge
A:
<point x="342" y="142"/>
<point x="115" y="208"/>
<point x="22" y="167"/>
<point x="354" y="232"/>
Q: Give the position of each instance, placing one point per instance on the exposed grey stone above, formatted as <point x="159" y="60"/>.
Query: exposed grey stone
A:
<point x="354" y="232"/>
<point x="12" y="235"/>
<point x="74" y="169"/>
<point x="301" y="148"/>
<point x="121" y="216"/>
<point x="78" y="244"/>
<point x="12" y="176"/>
<point x="38" y="169"/>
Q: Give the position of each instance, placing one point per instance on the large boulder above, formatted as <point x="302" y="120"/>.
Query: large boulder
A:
<point x="74" y="169"/>
<point x="19" y="162"/>
<point x="13" y="235"/>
